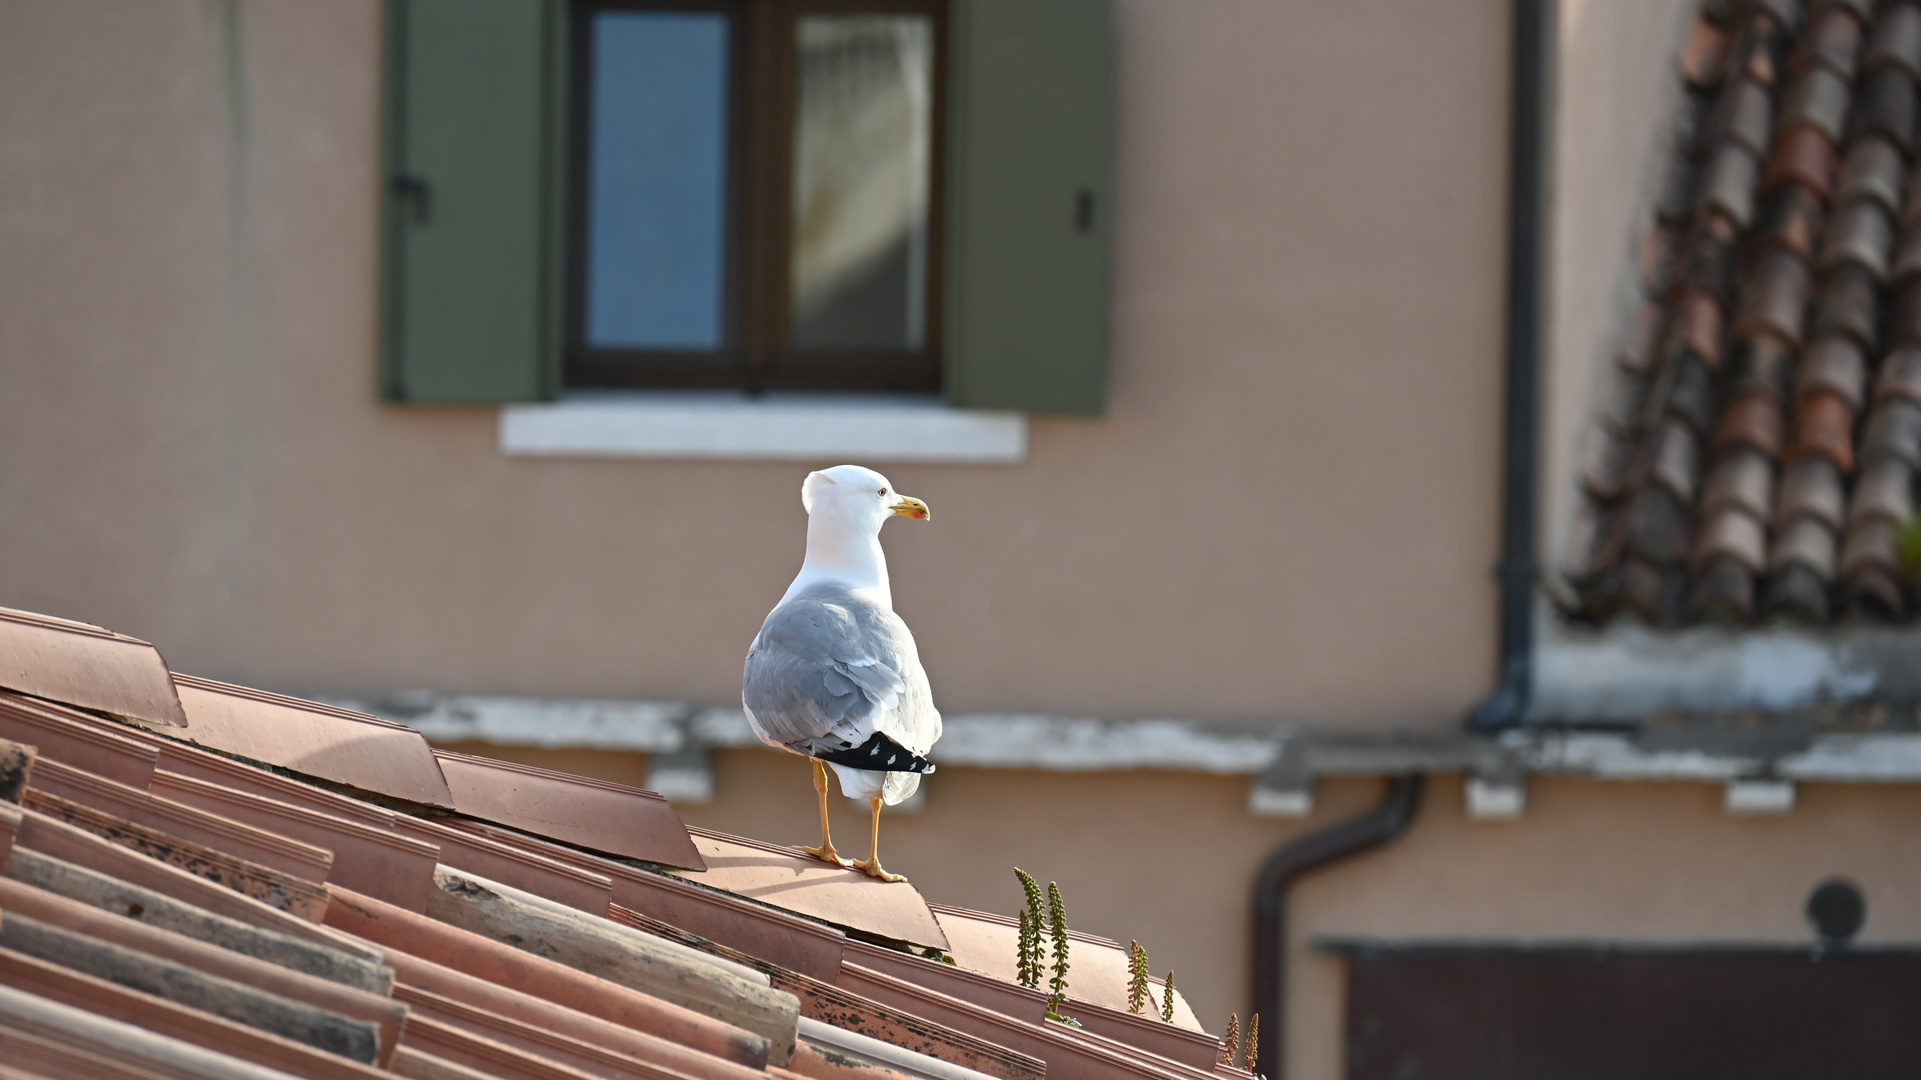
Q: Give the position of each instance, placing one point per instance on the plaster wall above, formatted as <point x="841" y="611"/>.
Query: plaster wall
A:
<point x="1616" y="91"/>
<point x="1288" y="514"/>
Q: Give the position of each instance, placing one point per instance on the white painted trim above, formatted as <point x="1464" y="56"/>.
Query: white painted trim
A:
<point x="768" y="427"/>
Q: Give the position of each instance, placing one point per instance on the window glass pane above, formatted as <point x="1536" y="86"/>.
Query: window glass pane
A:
<point x="858" y="266"/>
<point x="656" y="226"/>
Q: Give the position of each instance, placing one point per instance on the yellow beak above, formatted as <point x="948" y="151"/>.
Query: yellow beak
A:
<point x="908" y="506"/>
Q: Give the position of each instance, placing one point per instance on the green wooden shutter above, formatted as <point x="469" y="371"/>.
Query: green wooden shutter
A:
<point x="1030" y="206"/>
<point x="470" y="201"/>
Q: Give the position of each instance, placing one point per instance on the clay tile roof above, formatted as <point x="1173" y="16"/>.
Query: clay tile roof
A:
<point x="1791" y="217"/>
<point x="1873" y="171"/>
<point x="1774" y="296"/>
<point x="591" y="813"/>
<point x="1704" y="57"/>
<point x="1896" y="40"/>
<point x="317" y="740"/>
<point x="84" y="665"/>
<point x="1885" y="105"/>
<point x="1834" y="365"/>
<point x="1860" y="233"/>
<point x="260" y="893"/>
<point x="1900" y="375"/>
<point x="1805" y="415"/>
<point x="1833" y="40"/>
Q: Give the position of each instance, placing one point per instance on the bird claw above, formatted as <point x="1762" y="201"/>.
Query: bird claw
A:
<point x="873" y="869"/>
<point x="827" y="855"/>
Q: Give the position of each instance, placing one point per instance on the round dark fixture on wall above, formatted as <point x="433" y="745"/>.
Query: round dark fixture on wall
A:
<point x="1837" y="909"/>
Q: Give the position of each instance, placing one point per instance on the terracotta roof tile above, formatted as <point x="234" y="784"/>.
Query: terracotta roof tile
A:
<point x="377" y="861"/>
<point x="1874" y="171"/>
<point x="1706" y="259"/>
<point x="1824" y="427"/>
<point x="1762" y="49"/>
<point x="1774" y="296"/>
<point x="1894" y="431"/>
<point x="1675" y="463"/>
<point x="1869" y="542"/>
<point x="781" y="877"/>
<point x="1727" y="183"/>
<point x="1812" y="488"/>
<point x="300" y="861"/>
<point x="1742" y="480"/>
<point x="1731" y="533"/>
<point x="513" y="864"/>
<point x="58" y="735"/>
<point x="1791" y="217"/>
<point x="1900" y="375"/>
<point x="1833" y="365"/>
<point x="1657" y="527"/>
<point x="1832" y="40"/>
<point x="1796" y="593"/>
<point x="1704" y="57"/>
<point x="1886" y="106"/>
<point x="1744" y="115"/>
<point x="1802" y="155"/>
<point x="1860" y="233"/>
<point x="1907" y="255"/>
<point x="1760" y="365"/>
<point x="1723" y="591"/>
<point x="1685" y="391"/>
<point x="1874" y="592"/>
<point x="51" y="837"/>
<point x="1895" y="40"/>
<point x="1911" y="205"/>
<point x="1884" y="490"/>
<point x="591" y="813"/>
<point x="1808" y="543"/>
<point x="1650" y="591"/>
<point x="1753" y="421"/>
<point x="1818" y="98"/>
<point x="162" y="1017"/>
<point x="84" y="665"/>
<point x="317" y="740"/>
<point x="1848" y="303"/>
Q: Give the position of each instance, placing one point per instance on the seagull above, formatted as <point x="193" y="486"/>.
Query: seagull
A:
<point x="833" y="674"/>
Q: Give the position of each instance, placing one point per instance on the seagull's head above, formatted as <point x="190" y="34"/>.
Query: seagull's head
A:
<point x="856" y="498"/>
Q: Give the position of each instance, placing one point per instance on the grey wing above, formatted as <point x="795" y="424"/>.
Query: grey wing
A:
<point x="828" y="670"/>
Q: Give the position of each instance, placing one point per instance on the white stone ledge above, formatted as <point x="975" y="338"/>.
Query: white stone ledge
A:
<point x="1082" y="744"/>
<point x="767" y="427"/>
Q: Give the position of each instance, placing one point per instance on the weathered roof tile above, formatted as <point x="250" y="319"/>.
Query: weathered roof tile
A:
<point x="1833" y="364"/>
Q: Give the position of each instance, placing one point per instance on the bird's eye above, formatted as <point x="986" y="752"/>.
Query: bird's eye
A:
<point x="883" y="493"/>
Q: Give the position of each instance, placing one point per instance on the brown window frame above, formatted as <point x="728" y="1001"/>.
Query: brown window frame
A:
<point x="762" y="100"/>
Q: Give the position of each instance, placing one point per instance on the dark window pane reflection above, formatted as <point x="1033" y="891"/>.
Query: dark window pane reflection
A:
<point x="656" y="227"/>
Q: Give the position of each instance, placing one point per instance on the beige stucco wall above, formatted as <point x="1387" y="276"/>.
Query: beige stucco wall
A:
<point x="1616" y="92"/>
<point x="1289" y="512"/>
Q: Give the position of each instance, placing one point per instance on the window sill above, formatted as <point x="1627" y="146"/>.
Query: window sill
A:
<point x="721" y="425"/>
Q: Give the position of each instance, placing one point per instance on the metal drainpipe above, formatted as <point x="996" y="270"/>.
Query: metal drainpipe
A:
<point x="1526" y="287"/>
<point x="1343" y="840"/>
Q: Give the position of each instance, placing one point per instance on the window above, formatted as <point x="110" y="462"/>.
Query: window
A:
<point x="893" y="195"/>
<point x="752" y="197"/>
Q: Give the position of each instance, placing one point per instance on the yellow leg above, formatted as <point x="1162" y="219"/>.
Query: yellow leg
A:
<point x="825" y="852"/>
<point x="871" y="864"/>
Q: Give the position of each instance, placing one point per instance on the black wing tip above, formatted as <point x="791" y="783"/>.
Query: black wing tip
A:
<point x="878" y="754"/>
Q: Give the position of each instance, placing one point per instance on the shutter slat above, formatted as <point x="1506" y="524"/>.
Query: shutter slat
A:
<point x="1030" y="145"/>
